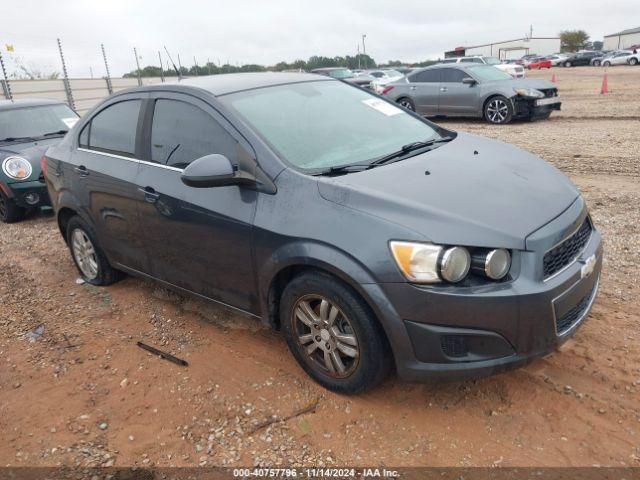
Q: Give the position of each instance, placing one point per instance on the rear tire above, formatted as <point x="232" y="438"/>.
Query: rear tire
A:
<point x="407" y="103"/>
<point x="321" y="319"/>
<point x="9" y="211"/>
<point x="498" y="110"/>
<point x="567" y="64"/>
<point x="596" y="63"/>
<point x="89" y="258"/>
<point x="606" y="64"/>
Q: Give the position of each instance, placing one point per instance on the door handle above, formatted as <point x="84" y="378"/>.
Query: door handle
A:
<point x="443" y="89"/>
<point x="412" y="87"/>
<point x="81" y="170"/>
<point x="150" y="195"/>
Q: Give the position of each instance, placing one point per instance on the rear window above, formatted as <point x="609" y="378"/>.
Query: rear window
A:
<point x="113" y="129"/>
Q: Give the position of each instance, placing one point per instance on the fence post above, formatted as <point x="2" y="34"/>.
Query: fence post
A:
<point x="106" y="66"/>
<point x="135" y="52"/>
<point x="65" y="79"/>
<point x="6" y="88"/>
<point x="161" y="68"/>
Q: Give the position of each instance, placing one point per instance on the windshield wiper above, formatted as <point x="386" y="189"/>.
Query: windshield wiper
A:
<point x="406" y="149"/>
<point x="59" y="132"/>
<point x="395" y="156"/>
<point x="13" y="139"/>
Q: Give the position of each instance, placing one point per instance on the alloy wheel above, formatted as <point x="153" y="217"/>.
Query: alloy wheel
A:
<point x="84" y="254"/>
<point x="325" y="335"/>
<point x="406" y="104"/>
<point x="497" y="110"/>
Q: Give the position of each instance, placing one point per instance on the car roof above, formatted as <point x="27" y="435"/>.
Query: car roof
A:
<point x="225" y="83"/>
<point x="27" y="102"/>
<point x="459" y="66"/>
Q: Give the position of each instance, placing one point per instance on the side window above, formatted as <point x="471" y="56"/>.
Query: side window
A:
<point x="426" y="76"/>
<point x="467" y="60"/>
<point x="182" y="133"/>
<point x="452" y="75"/>
<point x="114" y="129"/>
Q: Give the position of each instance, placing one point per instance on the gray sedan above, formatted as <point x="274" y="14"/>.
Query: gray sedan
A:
<point x="474" y="91"/>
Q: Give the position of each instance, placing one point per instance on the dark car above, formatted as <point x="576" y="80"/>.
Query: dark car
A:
<point x="474" y="90"/>
<point x="372" y="238"/>
<point x="579" y="59"/>
<point x="364" y="79"/>
<point x="27" y="129"/>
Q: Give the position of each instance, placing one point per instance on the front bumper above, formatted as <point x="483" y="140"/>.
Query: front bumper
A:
<point x="449" y="332"/>
<point x="528" y="108"/>
<point x="19" y="191"/>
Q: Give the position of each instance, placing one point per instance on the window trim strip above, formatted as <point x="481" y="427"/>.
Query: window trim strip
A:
<point x="136" y="160"/>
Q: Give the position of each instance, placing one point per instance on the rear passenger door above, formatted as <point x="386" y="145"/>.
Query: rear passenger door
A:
<point x="457" y="98"/>
<point x="198" y="239"/>
<point x="103" y="174"/>
<point x="424" y="87"/>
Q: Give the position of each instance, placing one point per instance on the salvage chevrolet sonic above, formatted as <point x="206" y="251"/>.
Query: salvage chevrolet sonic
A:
<point x="372" y="238"/>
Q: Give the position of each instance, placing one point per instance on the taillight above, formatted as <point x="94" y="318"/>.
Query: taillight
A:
<point x="387" y="89"/>
<point x="43" y="164"/>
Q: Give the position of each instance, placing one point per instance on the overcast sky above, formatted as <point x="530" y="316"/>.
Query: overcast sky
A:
<point x="267" y="31"/>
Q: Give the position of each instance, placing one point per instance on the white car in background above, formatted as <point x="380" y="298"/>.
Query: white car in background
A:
<point x="618" y="58"/>
<point x="557" y="59"/>
<point x="382" y="77"/>
<point x="516" y="71"/>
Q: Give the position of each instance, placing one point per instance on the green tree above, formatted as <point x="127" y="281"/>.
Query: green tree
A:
<point x="573" y="40"/>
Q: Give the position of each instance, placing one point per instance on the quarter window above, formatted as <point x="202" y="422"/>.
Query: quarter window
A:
<point x="113" y="129"/>
<point x="182" y="133"/>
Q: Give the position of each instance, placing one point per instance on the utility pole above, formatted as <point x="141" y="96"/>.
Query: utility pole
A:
<point x="65" y="79"/>
<point x="195" y="62"/>
<point x="358" y="56"/>
<point x="161" y="68"/>
<point x="6" y="88"/>
<point x="91" y="71"/>
<point x="106" y="66"/>
<point x="179" y="64"/>
<point x="209" y="65"/>
<point x="364" y="50"/>
<point x="135" y="52"/>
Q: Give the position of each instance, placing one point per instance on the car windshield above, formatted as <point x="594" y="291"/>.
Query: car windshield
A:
<point x="491" y="61"/>
<point x="35" y="122"/>
<point x="314" y="126"/>
<point x="341" y="73"/>
<point x="487" y="73"/>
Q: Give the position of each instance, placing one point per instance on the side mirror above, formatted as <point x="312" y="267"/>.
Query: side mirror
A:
<point x="214" y="171"/>
<point x="469" y="81"/>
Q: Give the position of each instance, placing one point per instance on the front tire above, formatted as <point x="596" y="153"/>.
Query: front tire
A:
<point x="498" y="110"/>
<point x="407" y="103"/>
<point x="89" y="258"/>
<point x="606" y="64"/>
<point x="9" y="211"/>
<point x="633" y="61"/>
<point x="596" y="63"/>
<point x="333" y="334"/>
<point x="567" y="64"/>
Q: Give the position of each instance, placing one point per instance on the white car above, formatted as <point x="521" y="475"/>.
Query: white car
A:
<point x="619" y="58"/>
<point x="382" y="78"/>
<point x="516" y="71"/>
<point x="557" y="59"/>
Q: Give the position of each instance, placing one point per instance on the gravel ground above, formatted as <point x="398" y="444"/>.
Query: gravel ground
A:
<point x="78" y="391"/>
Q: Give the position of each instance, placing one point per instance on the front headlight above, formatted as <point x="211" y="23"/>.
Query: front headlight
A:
<point x="529" y="92"/>
<point x="428" y="263"/>
<point x="17" y="167"/>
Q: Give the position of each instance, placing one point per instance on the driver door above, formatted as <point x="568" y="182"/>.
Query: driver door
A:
<point x="198" y="239"/>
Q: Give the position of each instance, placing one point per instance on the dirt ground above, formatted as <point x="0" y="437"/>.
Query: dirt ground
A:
<point x="83" y="393"/>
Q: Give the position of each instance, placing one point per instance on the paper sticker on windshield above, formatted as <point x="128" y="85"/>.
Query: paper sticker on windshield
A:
<point x="382" y="106"/>
<point x="70" y="122"/>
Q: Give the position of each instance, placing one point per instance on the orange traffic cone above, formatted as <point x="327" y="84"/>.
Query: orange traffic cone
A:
<point x="604" y="88"/>
<point x="553" y="78"/>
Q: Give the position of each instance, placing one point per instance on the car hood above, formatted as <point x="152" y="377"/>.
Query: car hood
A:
<point x="32" y="151"/>
<point x="527" y="83"/>
<point x="471" y="191"/>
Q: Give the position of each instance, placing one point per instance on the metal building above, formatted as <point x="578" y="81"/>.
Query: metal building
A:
<point x="621" y="40"/>
<point x="510" y="49"/>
